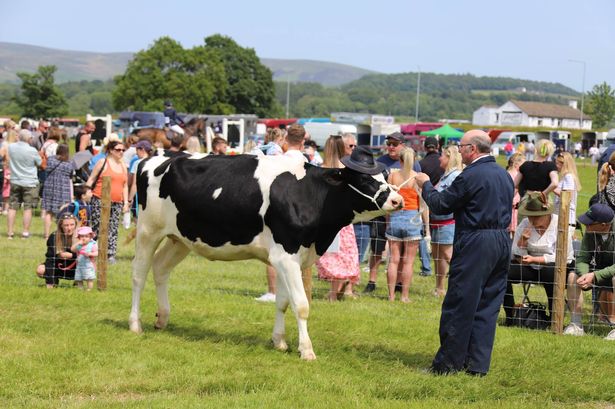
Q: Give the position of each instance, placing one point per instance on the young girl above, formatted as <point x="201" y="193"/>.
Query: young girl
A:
<point x="404" y="227"/>
<point x="87" y="251"/>
<point x="569" y="180"/>
<point x="60" y="259"/>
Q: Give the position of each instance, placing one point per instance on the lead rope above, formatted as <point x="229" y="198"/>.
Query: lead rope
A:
<point x="381" y="190"/>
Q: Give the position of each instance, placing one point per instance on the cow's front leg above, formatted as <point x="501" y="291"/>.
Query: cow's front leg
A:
<point x="281" y="303"/>
<point x="289" y="269"/>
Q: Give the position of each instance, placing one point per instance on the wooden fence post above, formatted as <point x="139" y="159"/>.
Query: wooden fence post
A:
<point x="103" y="233"/>
<point x="561" y="255"/>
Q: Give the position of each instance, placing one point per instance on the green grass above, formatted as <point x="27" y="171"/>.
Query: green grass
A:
<point x="70" y="349"/>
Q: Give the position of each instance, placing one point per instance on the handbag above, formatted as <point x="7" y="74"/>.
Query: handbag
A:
<point x="532" y="315"/>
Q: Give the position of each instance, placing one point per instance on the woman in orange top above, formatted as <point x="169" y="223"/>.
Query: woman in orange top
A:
<point x="404" y="227"/>
<point x="113" y="165"/>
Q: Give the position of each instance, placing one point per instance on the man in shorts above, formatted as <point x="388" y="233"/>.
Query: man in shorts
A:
<point x="24" y="162"/>
<point x="595" y="265"/>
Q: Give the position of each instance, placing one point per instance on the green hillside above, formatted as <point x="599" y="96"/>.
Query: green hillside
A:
<point x="442" y="95"/>
<point x="81" y="65"/>
<point x="72" y="65"/>
<point x="321" y="72"/>
<point x="317" y="88"/>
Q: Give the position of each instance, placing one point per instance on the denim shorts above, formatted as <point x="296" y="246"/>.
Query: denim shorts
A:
<point x="404" y="225"/>
<point x="444" y="234"/>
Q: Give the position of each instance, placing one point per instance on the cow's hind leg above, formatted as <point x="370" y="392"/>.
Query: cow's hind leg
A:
<point x="289" y="271"/>
<point x="170" y="254"/>
<point x="281" y="303"/>
<point x="145" y="248"/>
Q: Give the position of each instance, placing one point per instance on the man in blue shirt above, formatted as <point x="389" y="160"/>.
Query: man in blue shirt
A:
<point x="24" y="162"/>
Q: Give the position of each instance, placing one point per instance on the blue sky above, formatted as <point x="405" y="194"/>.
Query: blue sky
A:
<point x="521" y="38"/>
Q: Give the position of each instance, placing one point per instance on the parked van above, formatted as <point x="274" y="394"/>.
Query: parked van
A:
<point x="319" y="132"/>
<point x="515" y="138"/>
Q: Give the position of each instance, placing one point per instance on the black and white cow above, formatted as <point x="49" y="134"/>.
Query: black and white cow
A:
<point x="274" y="209"/>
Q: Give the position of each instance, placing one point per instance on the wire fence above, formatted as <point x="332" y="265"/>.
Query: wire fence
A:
<point x="539" y="295"/>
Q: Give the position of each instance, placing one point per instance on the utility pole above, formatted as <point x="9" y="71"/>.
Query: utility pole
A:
<point x="418" y="94"/>
<point x="287" y="95"/>
<point x="582" y="89"/>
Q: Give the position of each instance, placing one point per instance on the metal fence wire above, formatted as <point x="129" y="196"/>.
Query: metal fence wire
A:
<point x="538" y="295"/>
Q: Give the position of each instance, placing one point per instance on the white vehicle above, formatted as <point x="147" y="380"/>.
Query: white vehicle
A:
<point x="608" y="140"/>
<point x="514" y="138"/>
<point x="320" y="131"/>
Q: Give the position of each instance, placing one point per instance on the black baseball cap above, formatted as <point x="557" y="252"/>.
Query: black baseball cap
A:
<point x="598" y="213"/>
<point x="398" y="136"/>
<point x="431" y="141"/>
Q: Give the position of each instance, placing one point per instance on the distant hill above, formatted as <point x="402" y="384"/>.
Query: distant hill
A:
<point x="72" y="65"/>
<point x="325" y="73"/>
<point x="83" y="65"/>
<point x="445" y="83"/>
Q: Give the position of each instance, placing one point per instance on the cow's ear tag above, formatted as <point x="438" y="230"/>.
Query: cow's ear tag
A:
<point x="334" y="177"/>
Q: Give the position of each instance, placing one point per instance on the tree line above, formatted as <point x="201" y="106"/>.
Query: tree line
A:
<point x="221" y="77"/>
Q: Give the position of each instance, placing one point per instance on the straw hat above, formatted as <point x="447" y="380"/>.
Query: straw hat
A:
<point x="535" y="204"/>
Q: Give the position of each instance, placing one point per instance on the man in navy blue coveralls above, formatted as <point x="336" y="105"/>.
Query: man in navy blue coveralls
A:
<point x="481" y="199"/>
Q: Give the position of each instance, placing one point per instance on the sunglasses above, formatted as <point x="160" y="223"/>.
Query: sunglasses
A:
<point x="119" y="149"/>
<point x="352" y="146"/>
<point x="393" y="143"/>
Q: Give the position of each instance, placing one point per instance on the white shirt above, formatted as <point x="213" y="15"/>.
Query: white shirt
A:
<point x="567" y="183"/>
<point x="293" y="153"/>
<point x="538" y="245"/>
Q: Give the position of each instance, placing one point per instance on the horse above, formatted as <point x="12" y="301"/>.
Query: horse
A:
<point x="195" y="127"/>
<point x="57" y="133"/>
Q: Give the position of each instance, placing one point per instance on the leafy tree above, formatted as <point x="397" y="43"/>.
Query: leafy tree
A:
<point x="101" y="103"/>
<point x="39" y="97"/>
<point x="193" y="79"/>
<point x="251" y="88"/>
<point x="602" y="104"/>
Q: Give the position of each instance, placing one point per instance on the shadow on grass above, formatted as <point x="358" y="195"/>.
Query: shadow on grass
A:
<point x="414" y="360"/>
<point x="196" y="333"/>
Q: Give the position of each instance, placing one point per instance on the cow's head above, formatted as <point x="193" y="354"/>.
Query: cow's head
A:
<point x="374" y="196"/>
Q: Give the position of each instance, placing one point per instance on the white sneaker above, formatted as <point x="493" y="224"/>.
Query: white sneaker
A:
<point x="574" y="329"/>
<point x="611" y="336"/>
<point x="267" y="297"/>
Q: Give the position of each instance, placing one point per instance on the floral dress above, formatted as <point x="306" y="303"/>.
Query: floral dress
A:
<point x="341" y="262"/>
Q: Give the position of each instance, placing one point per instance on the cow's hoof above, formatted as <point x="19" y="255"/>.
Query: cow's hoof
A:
<point x="308" y="355"/>
<point x="160" y="325"/>
<point x="135" y="326"/>
<point x="161" y="321"/>
<point x="279" y="343"/>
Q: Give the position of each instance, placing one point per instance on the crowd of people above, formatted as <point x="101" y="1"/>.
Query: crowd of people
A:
<point x="38" y="171"/>
<point x="456" y="201"/>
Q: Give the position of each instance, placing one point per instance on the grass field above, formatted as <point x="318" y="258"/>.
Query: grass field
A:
<point x="70" y="349"/>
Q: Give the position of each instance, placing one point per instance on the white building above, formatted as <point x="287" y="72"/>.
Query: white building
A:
<point x="532" y="114"/>
<point x="486" y="115"/>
